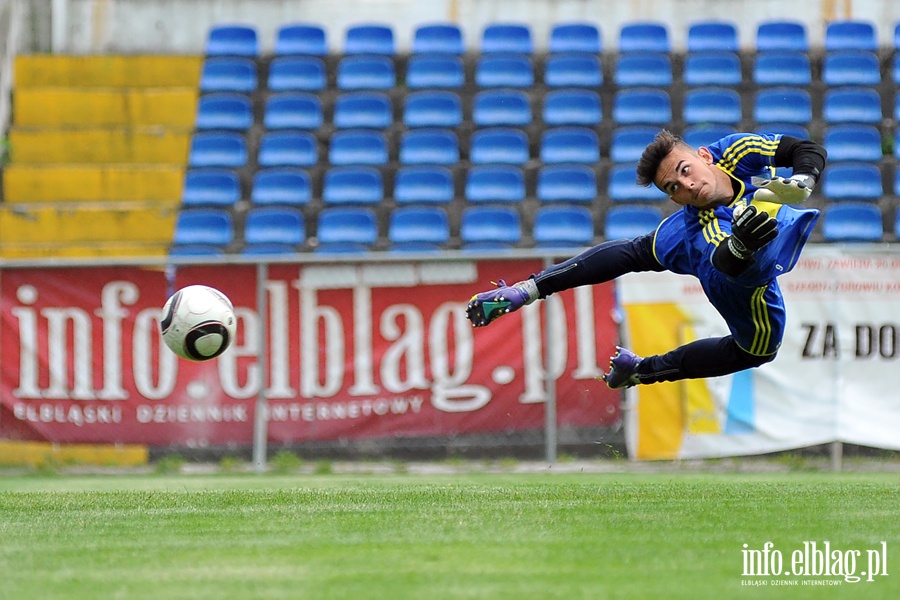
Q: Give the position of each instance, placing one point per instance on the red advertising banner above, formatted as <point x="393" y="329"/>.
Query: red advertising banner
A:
<point x="354" y="351"/>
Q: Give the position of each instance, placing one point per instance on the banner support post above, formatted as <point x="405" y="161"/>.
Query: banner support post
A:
<point x="260" y="419"/>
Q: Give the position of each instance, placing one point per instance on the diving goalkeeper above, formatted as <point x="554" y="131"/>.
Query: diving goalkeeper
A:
<point x="735" y="233"/>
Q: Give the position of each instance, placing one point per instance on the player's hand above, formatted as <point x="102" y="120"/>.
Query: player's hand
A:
<point x="790" y="190"/>
<point x="750" y="231"/>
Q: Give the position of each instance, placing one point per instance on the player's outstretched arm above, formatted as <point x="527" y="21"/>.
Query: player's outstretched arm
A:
<point x="751" y="230"/>
<point x="487" y="306"/>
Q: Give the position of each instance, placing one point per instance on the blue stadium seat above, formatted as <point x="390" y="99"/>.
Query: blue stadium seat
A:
<point x="853" y="142"/>
<point x="897" y="36"/>
<point x="787" y="68"/>
<point x="628" y="143"/>
<point x="232" y="40"/>
<point x="895" y="70"/>
<point x="212" y="149"/>
<point x="569" y="145"/>
<point x="622" y="187"/>
<point x="274" y="225"/>
<point x="366" y="73"/>
<point x="851" y="67"/>
<point x="573" y="70"/>
<point x="228" y="74"/>
<point x="791" y="129"/>
<point x="642" y="107"/>
<point x="363" y="109"/>
<point x="652" y="69"/>
<point x="301" y="38"/>
<point x="430" y="71"/>
<point x="852" y="222"/>
<point x="712" y="105"/>
<point x="347" y="225"/>
<point x="897" y="108"/>
<point x="644" y="37"/>
<point x="196" y="250"/>
<point x="712" y="68"/>
<point x="296" y="74"/>
<point x="850" y="35"/>
<point x="575" y="37"/>
<point x="495" y="184"/>
<point x="281" y="186"/>
<point x="353" y="185"/>
<point x="260" y="250"/>
<point x="783" y="105"/>
<point x="210" y="187"/>
<point x="287" y="149"/>
<point x="204" y="226"/>
<point x="429" y="146"/>
<point x="626" y="222"/>
<point x="292" y="110"/>
<point x="852" y="105"/>
<point x="566" y="183"/>
<point x="499" y="145"/>
<point x="563" y="226"/>
<point x="704" y="135"/>
<point x="419" y="225"/>
<point x="492" y="108"/>
<point x="487" y="226"/>
<point x="224" y="110"/>
<point x="369" y="39"/>
<point x="432" y="109"/>
<point x="506" y="37"/>
<point x="852" y="181"/>
<point x="572" y="107"/>
<point x="438" y="38"/>
<point x="504" y="70"/>
<point x="424" y="185"/>
<point x="897" y="181"/>
<point x="358" y="147"/>
<point x="781" y="35"/>
<point x="712" y="36"/>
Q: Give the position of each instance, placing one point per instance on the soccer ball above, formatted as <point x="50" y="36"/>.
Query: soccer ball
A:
<point x="198" y="322"/>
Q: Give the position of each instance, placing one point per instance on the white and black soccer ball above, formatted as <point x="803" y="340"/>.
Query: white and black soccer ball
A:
<point x="198" y="322"/>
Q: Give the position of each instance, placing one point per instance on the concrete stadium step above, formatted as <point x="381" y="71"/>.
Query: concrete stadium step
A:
<point x="99" y="145"/>
<point x="27" y="184"/>
<point x="43" y="70"/>
<point x="104" y="107"/>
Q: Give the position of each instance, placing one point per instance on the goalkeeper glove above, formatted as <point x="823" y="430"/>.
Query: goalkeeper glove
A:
<point x="790" y="190"/>
<point x="750" y="231"/>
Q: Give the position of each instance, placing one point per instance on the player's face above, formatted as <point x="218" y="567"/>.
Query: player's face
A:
<point x="690" y="178"/>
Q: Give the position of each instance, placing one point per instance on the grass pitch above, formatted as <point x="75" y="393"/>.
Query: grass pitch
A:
<point x="444" y="536"/>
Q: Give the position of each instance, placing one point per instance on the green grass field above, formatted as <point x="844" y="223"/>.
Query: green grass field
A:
<point x="576" y="535"/>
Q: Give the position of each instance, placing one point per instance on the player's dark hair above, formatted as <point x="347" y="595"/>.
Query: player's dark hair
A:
<point x="653" y="155"/>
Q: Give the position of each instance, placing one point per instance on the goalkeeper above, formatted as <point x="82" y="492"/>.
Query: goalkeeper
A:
<point x="735" y="234"/>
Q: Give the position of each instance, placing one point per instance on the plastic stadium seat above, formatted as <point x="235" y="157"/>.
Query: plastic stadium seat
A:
<point x="499" y="146"/>
<point x="712" y="36"/>
<point x="897" y="36"/>
<point x="851" y="67"/>
<point x="490" y="225"/>
<point x="424" y="185"/>
<point x="228" y="74"/>
<point x="429" y="225"/>
<point x="852" y="181"/>
<point x="347" y="225"/>
<point x="622" y="187"/>
<point x="358" y="147"/>
<point x="895" y="70"/>
<point x="573" y="70"/>
<point x="432" y="109"/>
<point x="198" y="250"/>
<point x="292" y="110"/>
<point x="353" y="185"/>
<point x="232" y="40"/>
<point x="369" y="39"/>
<point x="209" y="149"/>
<point x="852" y="105"/>
<point x="274" y="225"/>
<point x="853" y="142"/>
<point x="782" y="105"/>
<point x="504" y="70"/>
<point x="897" y="146"/>
<point x="626" y="222"/>
<point x="642" y="106"/>
<point x="712" y="105"/>
<point x="506" y="37"/>
<point x="782" y="68"/>
<point x="628" y="143"/>
<point x="495" y="184"/>
<point x="569" y="145"/>
<point x="566" y="183"/>
<point x="435" y="72"/>
<point x="643" y="69"/>
<point x="704" y="135"/>
<point x="366" y="73"/>
<point x="575" y="37"/>
<point x="852" y="222"/>
<point x="429" y="146"/>
<point x="501" y="108"/>
<point x="563" y="226"/>
<point x="363" y="109"/>
<point x="287" y="149"/>
<point x="204" y="226"/>
<point x="301" y="38"/>
<point x="281" y="186"/>
<point x="224" y="111"/>
<point x="438" y="38"/>
<point x="296" y="74"/>
<point x="850" y="35"/>
<point x="644" y="37"/>
<point x="268" y="249"/>
<point x="897" y="108"/>
<point x="781" y="35"/>
<point x="211" y="187"/>
<point x="572" y="107"/>
<point x="712" y="68"/>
